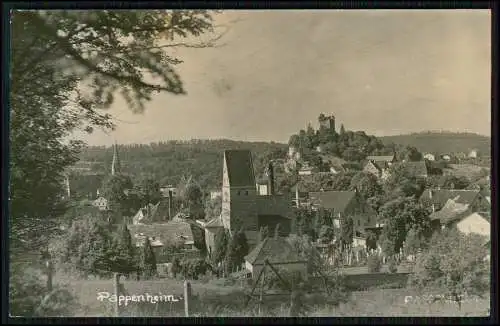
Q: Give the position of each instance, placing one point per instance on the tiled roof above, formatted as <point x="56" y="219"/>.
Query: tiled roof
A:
<point x="275" y="250"/>
<point x="450" y="212"/>
<point x="441" y="196"/>
<point x="274" y="205"/>
<point x="415" y="168"/>
<point x="385" y="158"/>
<point x="169" y="232"/>
<point x="240" y="168"/>
<point x="214" y="223"/>
<point x="336" y="200"/>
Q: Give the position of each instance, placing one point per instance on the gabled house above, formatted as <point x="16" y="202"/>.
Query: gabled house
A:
<point x="417" y="169"/>
<point x="473" y="153"/>
<point x="429" y="157"/>
<point x="211" y="228"/>
<point x="437" y="198"/>
<point x="461" y="217"/>
<point x="279" y="253"/>
<point x="387" y="159"/>
<point x="306" y="169"/>
<point x="214" y="194"/>
<point x="379" y="166"/>
<point x="162" y="235"/>
<point x="101" y="203"/>
<point x="158" y="212"/>
<point x="344" y="204"/>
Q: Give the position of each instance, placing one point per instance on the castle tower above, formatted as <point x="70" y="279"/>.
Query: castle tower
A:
<point x="239" y="207"/>
<point x="116" y="165"/>
<point x="327" y="122"/>
<point x="332" y="123"/>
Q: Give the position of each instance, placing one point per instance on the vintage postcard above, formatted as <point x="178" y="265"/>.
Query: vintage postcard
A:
<point x="244" y="163"/>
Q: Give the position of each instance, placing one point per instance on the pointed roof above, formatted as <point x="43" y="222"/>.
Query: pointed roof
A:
<point x="239" y="168"/>
<point x="214" y="223"/>
<point x="276" y="251"/>
<point x="417" y="168"/>
<point x="116" y="165"/>
<point x="380" y="158"/>
<point x="441" y="196"/>
<point x="336" y="200"/>
<point x="451" y="211"/>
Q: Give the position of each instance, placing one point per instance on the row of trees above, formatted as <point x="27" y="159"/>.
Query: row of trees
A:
<point x="94" y="247"/>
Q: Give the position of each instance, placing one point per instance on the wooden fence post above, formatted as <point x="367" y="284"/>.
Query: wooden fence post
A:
<point x="187" y="297"/>
<point x="49" y="275"/>
<point x="116" y="286"/>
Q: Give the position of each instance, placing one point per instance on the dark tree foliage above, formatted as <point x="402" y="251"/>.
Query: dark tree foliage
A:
<point x="68" y="65"/>
<point x="148" y="260"/>
<point x="236" y="251"/>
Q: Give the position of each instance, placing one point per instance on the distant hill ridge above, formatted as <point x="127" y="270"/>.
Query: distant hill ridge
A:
<point x="442" y="141"/>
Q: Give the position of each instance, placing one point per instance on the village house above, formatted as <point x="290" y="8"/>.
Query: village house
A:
<point x="437" y="198"/>
<point x="162" y="235"/>
<point x="446" y="157"/>
<point x="293" y="153"/>
<point x="306" y="169"/>
<point x="301" y="195"/>
<point x="417" y="169"/>
<point x="429" y="157"/>
<point x="473" y="153"/>
<point x="214" y="194"/>
<point x="242" y="207"/>
<point x="279" y="253"/>
<point x="262" y="187"/>
<point x="343" y="204"/>
<point x="462" y="218"/>
<point x="169" y="190"/>
<point x="152" y="213"/>
<point x="101" y="203"/>
<point x="379" y="165"/>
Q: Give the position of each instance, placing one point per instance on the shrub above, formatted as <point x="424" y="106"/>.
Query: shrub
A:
<point x="293" y="279"/>
<point x="192" y="268"/>
<point x="374" y="263"/>
<point x="454" y="263"/>
<point x="393" y="267"/>
<point x="28" y="296"/>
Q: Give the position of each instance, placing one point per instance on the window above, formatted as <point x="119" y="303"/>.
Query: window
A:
<point x="246" y="192"/>
<point x="359" y="223"/>
<point x="238" y="192"/>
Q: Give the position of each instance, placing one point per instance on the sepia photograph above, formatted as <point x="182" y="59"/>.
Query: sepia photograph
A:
<point x="249" y="163"/>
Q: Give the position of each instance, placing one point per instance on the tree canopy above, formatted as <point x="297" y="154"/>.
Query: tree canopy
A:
<point x="66" y="67"/>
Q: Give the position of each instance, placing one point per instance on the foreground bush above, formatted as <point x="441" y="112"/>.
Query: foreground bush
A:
<point x="374" y="263"/>
<point x="455" y="264"/>
<point x="28" y="296"/>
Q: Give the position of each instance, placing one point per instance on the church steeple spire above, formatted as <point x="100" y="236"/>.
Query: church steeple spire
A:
<point x="116" y="165"/>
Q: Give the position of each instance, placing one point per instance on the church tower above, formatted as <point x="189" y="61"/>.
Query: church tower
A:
<point x="116" y="165"/>
<point x="239" y="207"/>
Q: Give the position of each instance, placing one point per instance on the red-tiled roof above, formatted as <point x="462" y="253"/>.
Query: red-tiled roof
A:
<point x="240" y="168"/>
<point x="277" y="251"/>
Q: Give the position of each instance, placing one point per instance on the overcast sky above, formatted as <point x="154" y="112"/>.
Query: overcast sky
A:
<point x="384" y="72"/>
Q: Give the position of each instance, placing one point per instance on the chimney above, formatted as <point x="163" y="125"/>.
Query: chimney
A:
<point x="170" y="197"/>
<point x="270" y="175"/>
